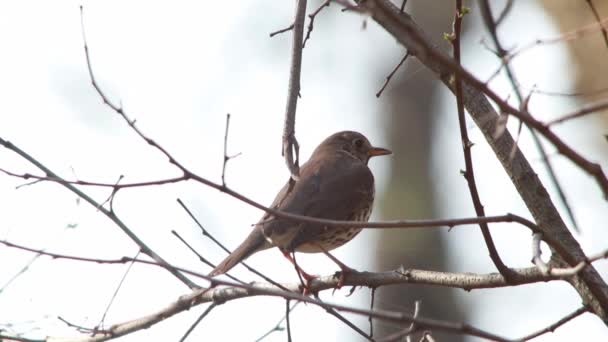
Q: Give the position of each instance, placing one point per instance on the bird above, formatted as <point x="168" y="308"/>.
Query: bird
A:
<point x="335" y="183"/>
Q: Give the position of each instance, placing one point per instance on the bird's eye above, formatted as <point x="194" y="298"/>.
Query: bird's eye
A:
<point x="358" y="143"/>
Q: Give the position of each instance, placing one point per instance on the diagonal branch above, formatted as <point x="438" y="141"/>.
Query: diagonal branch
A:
<point x="590" y="286"/>
<point x="466" y="281"/>
<point x="408" y="33"/>
<point x="109" y="214"/>
<point x="557" y="324"/>
<point x="236" y="291"/>
<point x="491" y="25"/>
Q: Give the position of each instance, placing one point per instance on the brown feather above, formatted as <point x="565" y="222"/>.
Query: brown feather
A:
<point x="334" y="184"/>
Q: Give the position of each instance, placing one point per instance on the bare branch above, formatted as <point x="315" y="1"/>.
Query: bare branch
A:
<point x="564" y="37"/>
<point x="371" y="307"/>
<point x="557" y="324"/>
<point x="536" y="254"/>
<point x="596" y="14"/>
<point x="288" y="28"/>
<point x="465" y="281"/>
<point x="388" y="78"/>
<point x="215" y="241"/>
<point x="144" y="248"/>
<point x="407" y="32"/>
<point x="469" y="172"/>
<point x="222" y="295"/>
<point x="488" y="19"/>
<point x="505" y="12"/>
<point x="330" y="310"/>
<point x="592" y="108"/>
<point x="226" y="156"/>
<point x="198" y="320"/>
<point x="22" y="271"/>
<point x="287" y="321"/>
<point x="399" y="335"/>
<point x="588" y="283"/>
<point x="278" y="326"/>
<point x="311" y="22"/>
<point x="290" y="144"/>
<point x="122" y="280"/>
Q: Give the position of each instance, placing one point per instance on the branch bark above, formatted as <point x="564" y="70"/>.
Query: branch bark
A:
<point x="220" y="295"/>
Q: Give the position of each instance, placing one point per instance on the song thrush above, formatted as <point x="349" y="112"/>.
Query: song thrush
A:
<point x="335" y="184"/>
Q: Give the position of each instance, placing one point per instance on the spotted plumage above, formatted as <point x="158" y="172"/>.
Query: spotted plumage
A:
<point x="335" y="183"/>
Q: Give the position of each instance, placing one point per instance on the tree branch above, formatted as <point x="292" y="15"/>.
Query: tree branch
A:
<point x="589" y="284"/>
<point x="290" y="144"/>
<point x="469" y="171"/>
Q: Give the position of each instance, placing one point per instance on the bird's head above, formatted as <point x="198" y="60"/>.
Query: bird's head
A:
<point x="353" y="143"/>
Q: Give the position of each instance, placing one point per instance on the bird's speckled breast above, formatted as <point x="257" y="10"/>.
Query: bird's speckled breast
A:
<point x="334" y="237"/>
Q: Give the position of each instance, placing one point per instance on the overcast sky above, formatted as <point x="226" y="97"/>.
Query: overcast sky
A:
<point x="178" y="68"/>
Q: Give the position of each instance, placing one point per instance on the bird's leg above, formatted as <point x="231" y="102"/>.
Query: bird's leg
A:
<point x="305" y="278"/>
<point x="343" y="268"/>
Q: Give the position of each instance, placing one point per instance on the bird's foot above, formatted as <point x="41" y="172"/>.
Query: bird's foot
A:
<point x="344" y="270"/>
<point x="307" y="280"/>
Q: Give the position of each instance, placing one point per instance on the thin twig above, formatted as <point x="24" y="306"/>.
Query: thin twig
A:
<point x="144" y="248"/>
<point x="110" y="198"/>
<point x="371" y="307"/>
<point x="24" y="269"/>
<point x="399" y="335"/>
<point x="330" y="310"/>
<point x="216" y="241"/>
<point x="392" y="73"/>
<point x="505" y="12"/>
<point x="557" y="324"/>
<point x="198" y="320"/>
<point x="491" y="26"/>
<point x="589" y="285"/>
<point x="589" y="93"/>
<point x="81" y="328"/>
<point x="564" y="37"/>
<point x="288" y="28"/>
<point x="287" y="321"/>
<point x="466" y="281"/>
<point x="450" y="223"/>
<point x="290" y="143"/>
<point x="335" y="223"/>
<point x="596" y="14"/>
<point x="122" y="280"/>
<point x="469" y="172"/>
<point x="200" y="257"/>
<point x="411" y="36"/>
<point x="537" y="253"/>
<point x="226" y="156"/>
<point x="278" y="326"/>
<point x="588" y="109"/>
<point x="312" y="20"/>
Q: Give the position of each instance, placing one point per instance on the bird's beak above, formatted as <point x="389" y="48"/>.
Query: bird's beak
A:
<point x="378" y="151"/>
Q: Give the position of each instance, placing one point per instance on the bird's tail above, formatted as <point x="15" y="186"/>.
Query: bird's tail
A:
<point x="254" y="243"/>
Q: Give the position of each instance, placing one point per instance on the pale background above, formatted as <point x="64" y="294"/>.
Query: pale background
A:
<point x="178" y="68"/>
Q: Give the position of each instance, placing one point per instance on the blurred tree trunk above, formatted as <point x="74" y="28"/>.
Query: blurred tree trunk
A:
<point x="410" y="113"/>
<point x="589" y="53"/>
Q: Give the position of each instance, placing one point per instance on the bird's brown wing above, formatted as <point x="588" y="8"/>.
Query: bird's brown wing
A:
<point x="331" y="190"/>
<point x="256" y="241"/>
